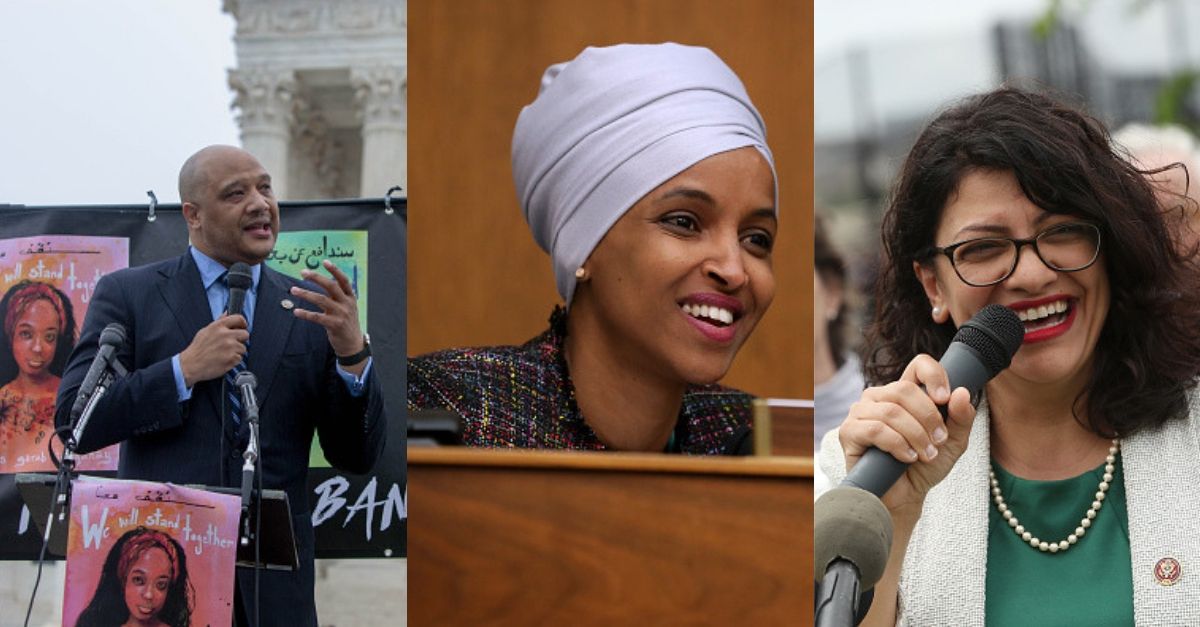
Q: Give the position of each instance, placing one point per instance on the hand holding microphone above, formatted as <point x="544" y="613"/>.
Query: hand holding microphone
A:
<point x="900" y="424"/>
<point x="899" y="443"/>
<point x="904" y="421"/>
<point x="220" y="345"/>
<point x="215" y="350"/>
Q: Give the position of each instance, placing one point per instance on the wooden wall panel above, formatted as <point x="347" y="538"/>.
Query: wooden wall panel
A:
<point x="475" y="275"/>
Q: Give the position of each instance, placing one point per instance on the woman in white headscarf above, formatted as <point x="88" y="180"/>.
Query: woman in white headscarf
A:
<point x="643" y="171"/>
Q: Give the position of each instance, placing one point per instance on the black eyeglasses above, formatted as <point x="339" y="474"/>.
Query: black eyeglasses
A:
<point x="987" y="261"/>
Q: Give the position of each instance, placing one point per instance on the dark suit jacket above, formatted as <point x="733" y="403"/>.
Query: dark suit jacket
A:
<point x="163" y="306"/>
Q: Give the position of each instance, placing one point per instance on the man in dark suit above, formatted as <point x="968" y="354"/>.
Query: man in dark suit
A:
<point x="171" y="413"/>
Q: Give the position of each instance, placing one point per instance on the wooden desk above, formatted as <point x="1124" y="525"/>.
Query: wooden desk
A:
<point x="783" y="426"/>
<point x="500" y="537"/>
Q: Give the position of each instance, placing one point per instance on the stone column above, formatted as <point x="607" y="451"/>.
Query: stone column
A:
<point x="381" y="93"/>
<point x="265" y="98"/>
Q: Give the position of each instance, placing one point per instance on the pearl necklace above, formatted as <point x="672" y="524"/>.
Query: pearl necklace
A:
<point x="1084" y="524"/>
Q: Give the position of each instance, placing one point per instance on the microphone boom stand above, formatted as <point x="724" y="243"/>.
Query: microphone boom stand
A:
<point x="70" y="446"/>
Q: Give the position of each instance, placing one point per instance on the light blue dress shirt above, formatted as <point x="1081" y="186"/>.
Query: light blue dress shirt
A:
<point x="217" y="292"/>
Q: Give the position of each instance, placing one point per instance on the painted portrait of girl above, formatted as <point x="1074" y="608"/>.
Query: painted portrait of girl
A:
<point x="144" y="582"/>
<point x="39" y="333"/>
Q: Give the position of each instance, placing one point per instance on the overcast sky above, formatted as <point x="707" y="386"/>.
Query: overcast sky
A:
<point x="842" y="23"/>
<point x="103" y="100"/>
<point x="913" y="57"/>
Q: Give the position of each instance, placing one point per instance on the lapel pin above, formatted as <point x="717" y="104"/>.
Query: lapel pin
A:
<point x="287" y="304"/>
<point x="1167" y="571"/>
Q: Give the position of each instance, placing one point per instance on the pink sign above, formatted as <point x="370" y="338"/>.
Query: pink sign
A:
<point x="46" y="284"/>
<point x="149" y="553"/>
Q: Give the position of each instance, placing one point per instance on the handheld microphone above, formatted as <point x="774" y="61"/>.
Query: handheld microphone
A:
<point x="852" y="530"/>
<point x="111" y="339"/>
<point x="239" y="280"/>
<point x="982" y="347"/>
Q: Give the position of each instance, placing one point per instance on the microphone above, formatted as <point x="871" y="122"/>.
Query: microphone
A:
<point x="239" y="280"/>
<point x="246" y="382"/>
<point x="852" y="530"/>
<point x="981" y="348"/>
<point x="111" y="339"/>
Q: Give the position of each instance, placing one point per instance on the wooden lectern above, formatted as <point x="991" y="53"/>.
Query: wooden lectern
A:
<point x="507" y="537"/>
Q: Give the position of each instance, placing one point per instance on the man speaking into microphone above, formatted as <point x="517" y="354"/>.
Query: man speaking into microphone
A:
<point x="177" y="413"/>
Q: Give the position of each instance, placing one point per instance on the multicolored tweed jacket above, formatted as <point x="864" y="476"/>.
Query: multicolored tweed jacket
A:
<point x="522" y="396"/>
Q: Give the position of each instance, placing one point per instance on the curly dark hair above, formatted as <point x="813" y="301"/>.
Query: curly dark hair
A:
<point x="1148" y="353"/>
<point x="107" y="606"/>
<point x="15" y="301"/>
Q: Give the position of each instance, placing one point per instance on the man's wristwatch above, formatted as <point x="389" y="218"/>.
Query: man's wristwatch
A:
<point x="356" y="358"/>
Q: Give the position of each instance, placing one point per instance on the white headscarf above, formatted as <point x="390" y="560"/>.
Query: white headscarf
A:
<point x="610" y="126"/>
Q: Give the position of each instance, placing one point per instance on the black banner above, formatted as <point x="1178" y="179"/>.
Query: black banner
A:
<point x="354" y="515"/>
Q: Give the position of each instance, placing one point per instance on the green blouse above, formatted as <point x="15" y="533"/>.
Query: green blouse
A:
<point x="1089" y="584"/>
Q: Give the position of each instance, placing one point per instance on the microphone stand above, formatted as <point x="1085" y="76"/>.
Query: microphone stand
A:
<point x="246" y="382"/>
<point x="250" y="459"/>
<point x="70" y="446"/>
<point x="838" y="596"/>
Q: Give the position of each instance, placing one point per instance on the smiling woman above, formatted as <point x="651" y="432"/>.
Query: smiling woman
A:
<point x="643" y="170"/>
<point x="683" y="277"/>
<point x="1059" y="480"/>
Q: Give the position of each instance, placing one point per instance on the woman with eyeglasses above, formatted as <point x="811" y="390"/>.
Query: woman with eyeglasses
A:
<point x="1069" y="497"/>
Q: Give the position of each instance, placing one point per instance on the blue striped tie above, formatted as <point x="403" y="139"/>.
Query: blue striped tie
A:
<point x="235" y="397"/>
